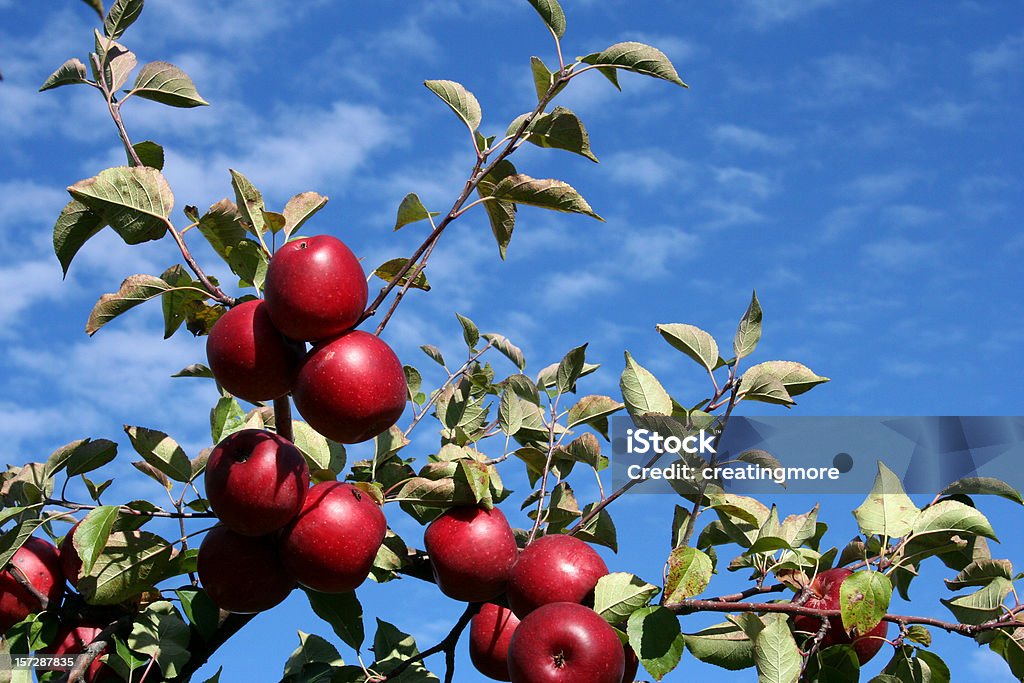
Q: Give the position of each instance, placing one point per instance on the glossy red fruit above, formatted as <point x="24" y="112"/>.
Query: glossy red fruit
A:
<point x="242" y="573"/>
<point x="825" y="595"/>
<point x="554" y="568"/>
<point x="351" y="388"/>
<point x="37" y="559"/>
<point x="472" y="551"/>
<point x="70" y="560"/>
<point x="72" y="640"/>
<point x="249" y="357"/>
<point x="256" y="481"/>
<point x="315" y="288"/>
<point x="490" y="633"/>
<point x="564" y="642"/>
<point x="632" y="664"/>
<point x="331" y="544"/>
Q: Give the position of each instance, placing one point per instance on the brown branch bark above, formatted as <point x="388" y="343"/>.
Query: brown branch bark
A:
<point x="103" y="640"/>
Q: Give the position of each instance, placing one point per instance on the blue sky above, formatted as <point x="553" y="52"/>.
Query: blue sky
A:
<point x="852" y="161"/>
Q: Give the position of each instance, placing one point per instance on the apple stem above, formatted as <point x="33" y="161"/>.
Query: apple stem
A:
<point x="283" y="417"/>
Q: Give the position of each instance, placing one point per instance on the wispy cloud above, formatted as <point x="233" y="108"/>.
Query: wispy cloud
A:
<point x="650" y="170"/>
<point x="749" y="139"/>
<point x="1005" y="55"/>
<point x="900" y="252"/>
<point x="879" y="187"/>
<point x="942" y="114"/>
<point x="768" y="13"/>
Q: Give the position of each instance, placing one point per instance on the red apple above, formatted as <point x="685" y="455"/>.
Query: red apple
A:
<point x="249" y="357"/>
<point x="242" y="573"/>
<point x="554" y="568"/>
<point x="472" y="551"/>
<point x="632" y="664"/>
<point x="564" y="642"/>
<point x="70" y="560"/>
<point x="39" y="562"/>
<point x="351" y="388"/>
<point x="825" y="595"/>
<point x="331" y="545"/>
<point x="315" y="288"/>
<point x="256" y="481"/>
<point x="72" y="640"/>
<point x="490" y="633"/>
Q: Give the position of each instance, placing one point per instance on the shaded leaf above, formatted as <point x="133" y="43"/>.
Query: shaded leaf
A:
<point x="412" y="210"/>
<point x="619" y="594"/>
<point x="638" y="58"/>
<point x="167" y="84"/>
<point x="343" y="612"/>
<point x="122" y="14"/>
<point x="135" y="201"/>
<point x="551" y="12"/>
<point x="134" y="290"/>
<point x="461" y="101"/>
<point x="546" y="194"/>
<point x="75" y="225"/>
<point x="749" y="331"/>
<point x="160" y="451"/>
<point x="300" y="209"/>
<point x="642" y="391"/>
<point x="389" y="270"/>
<point x="693" y="341"/>
<point x="655" y="636"/>
<point x="70" y="72"/>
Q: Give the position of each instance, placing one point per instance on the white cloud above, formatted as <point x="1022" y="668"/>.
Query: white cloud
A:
<point x="878" y="187"/>
<point x="741" y="181"/>
<point x="942" y="114"/>
<point x="899" y="252"/>
<point x="650" y="170"/>
<point x="748" y="139"/>
<point x="26" y="284"/>
<point x="724" y="213"/>
<point x="850" y="75"/>
<point x="1006" y="55"/>
<point x="768" y="13"/>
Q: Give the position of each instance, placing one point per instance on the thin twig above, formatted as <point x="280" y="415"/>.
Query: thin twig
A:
<point x="447" y="645"/>
<point x="124" y="510"/>
<point x="23" y="581"/>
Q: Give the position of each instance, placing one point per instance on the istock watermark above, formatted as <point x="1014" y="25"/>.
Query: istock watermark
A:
<point x="818" y="455"/>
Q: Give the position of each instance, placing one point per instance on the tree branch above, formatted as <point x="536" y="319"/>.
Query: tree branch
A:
<point x="447" y="645"/>
<point x="103" y="640"/>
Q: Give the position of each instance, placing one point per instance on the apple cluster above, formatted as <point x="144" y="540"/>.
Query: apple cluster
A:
<point x="276" y="531"/>
<point x="535" y="625"/>
<point x="350" y="386"/>
<point x="46" y="569"/>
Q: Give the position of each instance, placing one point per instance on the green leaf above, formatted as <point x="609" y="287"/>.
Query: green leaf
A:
<point x="122" y="14"/>
<point x="724" y="645"/>
<point x="226" y="418"/>
<point x="919" y="634"/>
<point x="389" y="270"/>
<point x="500" y="214"/>
<point x="312" y="649"/>
<point x="570" y="368"/>
<point x="981" y="572"/>
<point x="687" y="573"/>
<point x="546" y="194"/>
<point x="97" y="6"/>
<point x="160" y="451"/>
<point x="864" y="599"/>
<point x="952" y="516"/>
<point x="982" y="605"/>
<point x="120" y="63"/>
<point x="470" y="333"/>
<point x="167" y="84"/>
<point x="795" y="377"/>
<point x="135" y="201"/>
<point x="541" y="77"/>
<point x="249" y="201"/>
<point x="249" y="262"/>
<point x="194" y="370"/>
<point x="183" y="289"/>
<point x="655" y="636"/>
<point x="764" y="387"/>
<point x="693" y="341"/>
<point x="749" y="331"/>
<point x="561" y="129"/>
<point x="92" y="533"/>
<point x="590" y="408"/>
<point x="391" y="647"/>
<point x="89" y="455"/>
<point x="75" y="225"/>
<point x="221" y="226"/>
<point x="150" y="154"/>
<point x="506" y="348"/>
<point x="135" y="290"/>
<point x="13" y="539"/>
<point x="69" y="73"/>
<point x="322" y="454"/>
<point x="642" y="391"/>
<point x="888" y="510"/>
<point x="343" y="612"/>
<point x="638" y="58"/>
<point x="412" y="210"/>
<point x="461" y="101"/>
<point x="551" y="12"/>
<point x="300" y="209"/>
<point x="200" y="610"/>
<point x="599" y="530"/>
<point x="161" y="633"/>
<point x="433" y="353"/>
<point x="274" y="221"/>
<point x="983" y="486"/>
<point x="618" y="595"/>
<point x="131" y="563"/>
<point x="510" y="413"/>
<point x="776" y="655"/>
